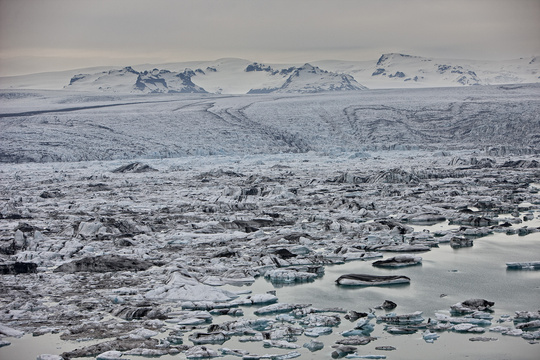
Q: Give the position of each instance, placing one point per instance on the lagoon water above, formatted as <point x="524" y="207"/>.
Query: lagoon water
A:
<point x="446" y="276"/>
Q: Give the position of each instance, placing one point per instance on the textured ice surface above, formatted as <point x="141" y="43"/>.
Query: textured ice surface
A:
<point x="63" y="126"/>
<point x="141" y="253"/>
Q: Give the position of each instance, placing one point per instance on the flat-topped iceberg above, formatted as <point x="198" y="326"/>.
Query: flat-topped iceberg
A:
<point x="399" y="261"/>
<point x="530" y="265"/>
<point x="371" y="280"/>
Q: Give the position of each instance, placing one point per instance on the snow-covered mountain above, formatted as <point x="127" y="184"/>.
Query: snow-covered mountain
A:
<point x="404" y="71"/>
<point x="240" y="76"/>
<point x="130" y="80"/>
<point x="312" y="79"/>
<point x="304" y="79"/>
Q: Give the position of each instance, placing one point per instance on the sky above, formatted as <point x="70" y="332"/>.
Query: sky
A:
<point x="53" y="35"/>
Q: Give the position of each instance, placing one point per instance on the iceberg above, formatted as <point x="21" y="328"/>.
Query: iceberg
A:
<point x="110" y="355"/>
<point x="318" y="331"/>
<point x="405" y="319"/>
<point x="199" y="338"/>
<point x="371" y="280"/>
<point x="276" y="308"/>
<point x="531" y="325"/>
<point x="281" y="344"/>
<point x="314" y="345"/>
<point x="472" y="305"/>
<point x="531" y="265"/>
<point x="356" y="340"/>
<point x="289" y="276"/>
<point x="399" y="261"/>
<point x="429" y="336"/>
<point x="200" y="352"/>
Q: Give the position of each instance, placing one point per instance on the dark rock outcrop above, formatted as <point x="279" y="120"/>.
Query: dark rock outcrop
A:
<point x="18" y="268"/>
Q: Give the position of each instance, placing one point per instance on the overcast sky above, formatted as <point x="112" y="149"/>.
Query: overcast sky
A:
<point x="44" y="35"/>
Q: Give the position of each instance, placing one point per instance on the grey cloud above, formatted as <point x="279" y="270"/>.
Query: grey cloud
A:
<point x="208" y="29"/>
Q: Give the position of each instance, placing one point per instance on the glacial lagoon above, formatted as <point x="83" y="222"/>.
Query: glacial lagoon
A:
<point x="446" y="276"/>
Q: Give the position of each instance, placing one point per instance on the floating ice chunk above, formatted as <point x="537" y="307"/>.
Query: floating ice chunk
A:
<point x="242" y="326"/>
<point x="315" y="320"/>
<point x="234" y="352"/>
<point x="110" y="355"/>
<point x="200" y="352"/>
<point x="356" y="340"/>
<point x="531" y="325"/>
<point x="393" y="318"/>
<point x="133" y="312"/>
<point x="199" y="338"/>
<point x="399" y="261"/>
<point x="513" y="332"/>
<point x="300" y="250"/>
<point x="531" y="335"/>
<point x="49" y="357"/>
<point x="385" y="348"/>
<point x="342" y="351"/>
<point x="205" y="305"/>
<point x="525" y="316"/>
<point x="461" y="320"/>
<point x="482" y="315"/>
<point x="361" y="255"/>
<point x="190" y="292"/>
<point x="257" y="299"/>
<point x="318" y="331"/>
<point x="531" y="265"/>
<point x="405" y="248"/>
<point x="275" y="308"/>
<point x="175" y="337"/>
<point x="286" y="318"/>
<point x="7" y="331"/>
<point x="440" y="326"/>
<point x="429" y="336"/>
<point x="371" y="280"/>
<point x="228" y="311"/>
<point x="148" y="352"/>
<point x="483" y="338"/>
<point x="258" y="336"/>
<point x="289" y="355"/>
<point x="356" y="356"/>
<point x="4" y="343"/>
<point x="190" y="321"/>
<point x="472" y="305"/>
<point x="289" y="276"/>
<point x="500" y="329"/>
<point x="304" y="311"/>
<point x="140" y="334"/>
<point x="314" y="345"/>
<point x="281" y="344"/>
<point x="386" y="305"/>
<point x="425" y="219"/>
<point x="467" y="327"/>
<point x="284" y="332"/>
<point x="356" y="332"/>
<point x="362" y="323"/>
<point x="401" y="330"/>
<point x="364" y="326"/>
<point x="460" y="241"/>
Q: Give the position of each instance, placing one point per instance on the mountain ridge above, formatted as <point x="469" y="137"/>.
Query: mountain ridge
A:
<point x="242" y="76"/>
